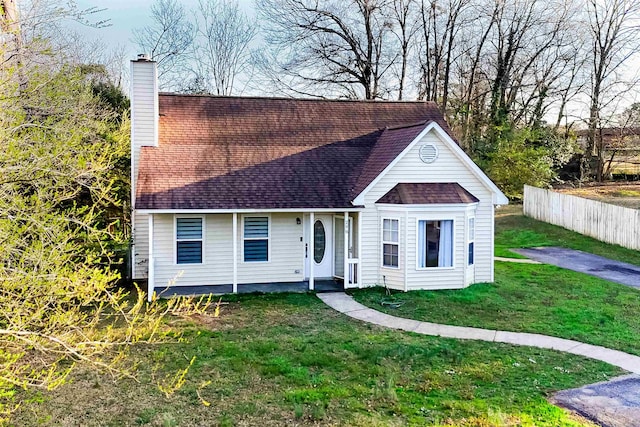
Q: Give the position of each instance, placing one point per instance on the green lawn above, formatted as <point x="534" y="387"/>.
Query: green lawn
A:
<point x="290" y="360"/>
<point x="530" y="298"/>
<point x="513" y="230"/>
<point x="534" y="298"/>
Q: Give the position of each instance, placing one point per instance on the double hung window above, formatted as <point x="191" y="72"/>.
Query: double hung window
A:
<point x="256" y="239"/>
<point x="472" y="238"/>
<point x="435" y="243"/>
<point x="189" y="240"/>
<point x="390" y="242"/>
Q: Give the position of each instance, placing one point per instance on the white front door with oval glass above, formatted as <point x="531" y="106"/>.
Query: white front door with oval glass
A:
<point x="321" y="251"/>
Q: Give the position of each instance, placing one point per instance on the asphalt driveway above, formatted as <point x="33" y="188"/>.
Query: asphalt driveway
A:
<point x="614" y="271"/>
<point x="614" y="403"/>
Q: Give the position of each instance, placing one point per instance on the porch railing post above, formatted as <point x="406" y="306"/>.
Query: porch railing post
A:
<point x="347" y="272"/>
<point x="359" y="249"/>
<point x="310" y="251"/>
<point x="235" y="252"/>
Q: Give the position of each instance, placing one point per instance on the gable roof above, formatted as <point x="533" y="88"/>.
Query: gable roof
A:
<point x="498" y="197"/>
<point x="390" y="143"/>
<point x="272" y="153"/>
<point x="428" y="193"/>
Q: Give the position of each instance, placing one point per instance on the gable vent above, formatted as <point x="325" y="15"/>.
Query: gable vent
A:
<point x="428" y="153"/>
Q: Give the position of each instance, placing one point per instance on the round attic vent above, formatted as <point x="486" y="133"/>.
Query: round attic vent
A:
<point x="428" y="153"/>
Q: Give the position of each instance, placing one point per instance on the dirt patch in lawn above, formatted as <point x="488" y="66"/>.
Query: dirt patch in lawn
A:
<point x="621" y="194"/>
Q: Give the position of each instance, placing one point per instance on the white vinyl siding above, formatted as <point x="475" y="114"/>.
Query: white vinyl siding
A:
<point x="447" y="168"/>
<point x="286" y="262"/>
<point x="216" y="267"/>
<point x="140" y="249"/>
<point x="287" y="253"/>
<point x="438" y="277"/>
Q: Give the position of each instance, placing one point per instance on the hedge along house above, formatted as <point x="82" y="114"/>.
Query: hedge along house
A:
<point x="231" y="193"/>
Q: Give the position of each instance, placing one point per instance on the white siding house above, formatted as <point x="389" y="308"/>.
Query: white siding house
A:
<point x="236" y="192"/>
<point x="448" y="167"/>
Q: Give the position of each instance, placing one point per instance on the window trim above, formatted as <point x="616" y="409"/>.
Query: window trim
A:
<point x="453" y="242"/>
<point x="385" y="242"/>
<point x="268" y="238"/>
<point x="471" y="239"/>
<point x="176" y="240"/>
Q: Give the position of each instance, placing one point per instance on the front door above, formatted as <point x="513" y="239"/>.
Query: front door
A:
<point x="321" y="252"/>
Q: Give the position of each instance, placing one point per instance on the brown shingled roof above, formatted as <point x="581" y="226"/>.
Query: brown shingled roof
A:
<point x="427" y="194"/>
<point x="260" y="153"/>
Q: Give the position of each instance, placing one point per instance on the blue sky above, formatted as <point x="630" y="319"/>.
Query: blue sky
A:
<point x="125" y="15"/>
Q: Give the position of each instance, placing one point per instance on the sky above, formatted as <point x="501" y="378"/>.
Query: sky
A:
<point x="125" y="15"/>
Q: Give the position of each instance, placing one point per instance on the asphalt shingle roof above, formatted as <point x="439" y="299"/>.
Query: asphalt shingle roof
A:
<point x="427" y="194"/>
<point x="269" y="153"/>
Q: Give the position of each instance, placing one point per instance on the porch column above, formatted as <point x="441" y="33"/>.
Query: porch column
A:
<point x="151" y="265"/>
<point x="405" y="253"/>
<point x="235" y="252"/>
<point x="310" y="250"/>
<point x="359" y="248"/>
<point x="346" y="249"/>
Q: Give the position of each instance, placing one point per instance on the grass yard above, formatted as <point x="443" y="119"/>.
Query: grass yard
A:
<point x="513" y="230"/>
<point x="290" y="360"/>
<point x="530" y="298"/>
<point x="287" y="359"/>
<point x="534" y="298"/>
<point x="621" y="194"/>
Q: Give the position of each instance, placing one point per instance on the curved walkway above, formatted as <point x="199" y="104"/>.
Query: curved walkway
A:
<point x="347" y="305"/>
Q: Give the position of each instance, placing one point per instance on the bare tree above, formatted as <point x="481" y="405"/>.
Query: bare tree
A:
<point x="614" y="32"/>
<point x="168" y="40"/>
<point x="339" y="48"/>
<point x="221" y="48"/>
<point x="440" y="27"/>
<point x="405" y="28"/>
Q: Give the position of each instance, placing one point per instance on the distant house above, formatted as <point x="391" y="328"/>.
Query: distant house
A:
<point x="232" y="192"/>
<point x="613" y="138"/>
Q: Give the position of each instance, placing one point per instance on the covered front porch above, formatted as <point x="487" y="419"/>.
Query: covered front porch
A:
<point x="195" y="253"/>
<point x="333" y="285"/>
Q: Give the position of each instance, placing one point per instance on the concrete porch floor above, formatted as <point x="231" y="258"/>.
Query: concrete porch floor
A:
<point x="324" y="285"/>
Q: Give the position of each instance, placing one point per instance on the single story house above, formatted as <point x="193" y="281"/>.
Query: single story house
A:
<point x="237" y="191"/>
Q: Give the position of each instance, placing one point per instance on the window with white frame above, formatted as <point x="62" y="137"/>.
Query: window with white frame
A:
<point x="390" y="242"/>
<point x="256" y="238"/>
<point x="189" y="240"/>
<point x="435" y="243"/>
<point x="472" y="238"/>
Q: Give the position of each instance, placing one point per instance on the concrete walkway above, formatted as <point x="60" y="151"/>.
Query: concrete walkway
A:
<point x="594" y="265"/>
<point x="346" y="304"/>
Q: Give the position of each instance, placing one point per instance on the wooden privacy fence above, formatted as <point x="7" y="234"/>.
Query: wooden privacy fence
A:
<point x="602" y="221"/>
